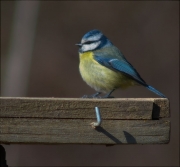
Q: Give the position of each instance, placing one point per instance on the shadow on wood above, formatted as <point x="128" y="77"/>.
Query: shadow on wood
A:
<point x="67" y="120"/>
<point x="129" y="138"/>
<point x="155" y="112"/>
<point x="113" y="138"/>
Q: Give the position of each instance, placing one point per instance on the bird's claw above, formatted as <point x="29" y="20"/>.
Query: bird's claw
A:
<point x="96" y="95"/>
<point x="85" y="96"/>
<point x="91" y="96"/>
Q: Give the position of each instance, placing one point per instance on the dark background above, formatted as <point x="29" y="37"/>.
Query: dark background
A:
<point x="148" y="35"/>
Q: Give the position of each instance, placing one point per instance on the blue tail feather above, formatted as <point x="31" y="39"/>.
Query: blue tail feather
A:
<point x="155" y="91"/>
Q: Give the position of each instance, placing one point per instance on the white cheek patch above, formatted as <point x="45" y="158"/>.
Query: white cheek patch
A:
<point x="92" y="46"/>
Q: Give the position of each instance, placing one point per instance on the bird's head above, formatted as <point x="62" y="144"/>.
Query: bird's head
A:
<point x="93" y="40"/>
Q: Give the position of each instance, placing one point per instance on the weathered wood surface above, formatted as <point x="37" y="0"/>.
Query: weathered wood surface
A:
<point x="84" y="108"/>
<point x="14" y="130"/>
<point x="161" y="108"/>
<point x="59" y="120"/>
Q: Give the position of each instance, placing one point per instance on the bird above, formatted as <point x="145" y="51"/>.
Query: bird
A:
<point x="104" y="68"/>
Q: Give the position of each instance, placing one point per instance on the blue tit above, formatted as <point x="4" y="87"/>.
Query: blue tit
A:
<point x="104" y="68"/>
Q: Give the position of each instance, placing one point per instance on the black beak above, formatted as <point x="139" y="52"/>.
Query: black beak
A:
<point x="79" y="44"/>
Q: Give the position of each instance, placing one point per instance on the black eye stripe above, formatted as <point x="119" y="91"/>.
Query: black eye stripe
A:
<point x="89" y="42"/>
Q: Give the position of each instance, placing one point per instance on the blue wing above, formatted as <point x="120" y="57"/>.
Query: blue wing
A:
<point x="121" y="65"/>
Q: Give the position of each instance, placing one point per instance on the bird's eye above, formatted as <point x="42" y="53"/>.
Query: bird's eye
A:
<point x="88" y="42"/>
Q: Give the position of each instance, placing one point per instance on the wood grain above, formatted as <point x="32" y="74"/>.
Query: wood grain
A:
<point x="161" y="108"/>
<point x="65" y="121"/>
<point x="24" y="130"/>
<point x="82" y="108"/>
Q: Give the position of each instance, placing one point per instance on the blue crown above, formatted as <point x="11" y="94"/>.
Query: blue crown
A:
<point x="93" y="35"/>
<point x="93" y="40"/>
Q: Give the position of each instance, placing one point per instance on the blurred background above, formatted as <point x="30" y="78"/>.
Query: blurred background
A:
<point x="39" y="59"/>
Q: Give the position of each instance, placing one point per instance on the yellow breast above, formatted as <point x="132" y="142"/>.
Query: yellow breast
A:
<point x="99" y="77"/>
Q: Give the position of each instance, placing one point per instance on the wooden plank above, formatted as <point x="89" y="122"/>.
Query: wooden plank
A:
<point x="124" y="108"/>
<point x="24" y="130"/>
<point x="161" y="108"/>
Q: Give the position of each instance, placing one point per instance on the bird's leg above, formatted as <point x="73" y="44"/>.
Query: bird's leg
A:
<point x="92" y="96"/>
<point x="108" y="95"/>
<point x="96" y="94"/>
